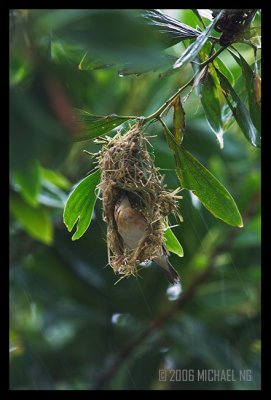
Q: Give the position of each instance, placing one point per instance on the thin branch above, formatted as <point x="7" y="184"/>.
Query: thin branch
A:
<point x="160" y="110"/>
<point x="164" y="106"/>
<point x="211" y="59"/>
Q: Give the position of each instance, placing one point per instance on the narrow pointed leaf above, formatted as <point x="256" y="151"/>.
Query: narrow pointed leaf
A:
<point x="211" y="106"/>
<point x="172" y="243"/>
<point x="213" y="195"/>
<point x="191" y="52"/>
<point x="91" y="126"/>
<point x="240" y="112"/>
<point x="195" y="177"/>
<point x="224" y="69"/>
<point x="80" y="205"/>
<point x="248" y="75"/>
<point x="178" y="120"/>
<point x="258" y="87"/>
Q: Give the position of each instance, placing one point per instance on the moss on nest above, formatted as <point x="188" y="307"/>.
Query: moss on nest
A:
<point x="127" y="165"/>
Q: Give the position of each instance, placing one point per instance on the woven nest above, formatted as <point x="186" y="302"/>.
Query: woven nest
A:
<point x="127" y="165"/>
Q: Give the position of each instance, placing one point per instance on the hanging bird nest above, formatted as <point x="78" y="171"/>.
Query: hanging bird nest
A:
<point x="126" y="165"/>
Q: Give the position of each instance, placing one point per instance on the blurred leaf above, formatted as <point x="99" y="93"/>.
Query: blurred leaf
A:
<point x="55" y="177"/>
<point x="96" y="126"/>
<point x="240" y="112"/>
<point x="136" y="66"/>
<point x="126" y="27"/>
<point x="248" y="75"/>
<point x="80" y="205"/>
<point x="251" y="235"/>
<point x="33" y="122"/>
<point x="88" y="63"/>
<point x="172" y="243"/>
<point x="136" y="37"/>
<point x="211" y="105"/>
<point x="20" y="69"/>
<point x="192" y="51"/>
<point x="178" y="120"/>
<point x="51" y="195"/>
<point x="153" y="63"/>
<point x="51" y="200"/>
<point x="63" y="52"/>
<point x="29" y="182"/>
<point x="35" y="221"/>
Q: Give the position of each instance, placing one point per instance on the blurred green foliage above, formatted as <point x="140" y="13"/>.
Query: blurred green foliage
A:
<point x="68" y="321"/>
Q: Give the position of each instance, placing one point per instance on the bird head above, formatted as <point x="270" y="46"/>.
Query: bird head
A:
<point x="123" y="201"/>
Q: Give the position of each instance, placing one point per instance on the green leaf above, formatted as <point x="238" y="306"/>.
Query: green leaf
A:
<point x="248" y="75"/>
<point x="192" y="51"/>
<point x="29" y="182"/>
<point x="213" y="195"/>
<point x="240" y="112"/>
<point x="92" y="126"/>
<point x="195" y="177"/>
<point x="227" y="117"/>
<point x="35" y="221"/>
<point x="80" y="205"/>
<point x="172" y="243"/>
<point x="211" y="106"/>
<point x="224" y="69"/>
<point x="178" y="120"/>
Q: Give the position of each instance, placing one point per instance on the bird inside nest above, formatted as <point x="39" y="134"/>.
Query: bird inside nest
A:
<point x="133" y="227"/>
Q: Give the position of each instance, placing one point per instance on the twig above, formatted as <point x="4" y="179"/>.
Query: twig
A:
<point x="160" y="110"/>
<point x="209" y="60"/>
<point x="164" y="106"/>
